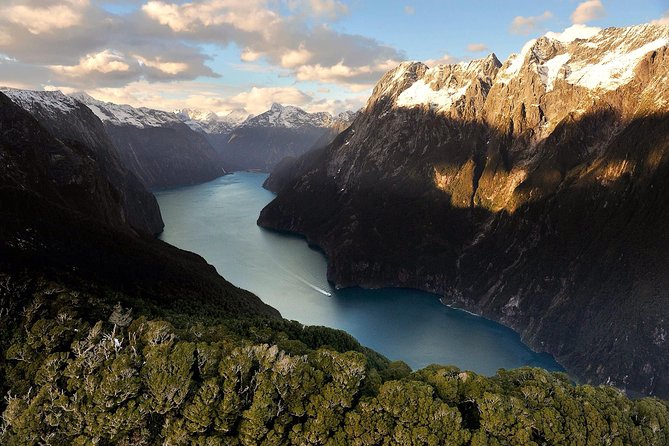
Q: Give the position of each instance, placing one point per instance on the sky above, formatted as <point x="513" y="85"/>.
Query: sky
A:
<point x="221" y="55"/>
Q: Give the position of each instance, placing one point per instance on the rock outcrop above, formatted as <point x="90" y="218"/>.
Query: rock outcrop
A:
<point x="533" y="192"/>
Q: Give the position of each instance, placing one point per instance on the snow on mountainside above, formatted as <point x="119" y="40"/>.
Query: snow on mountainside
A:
<point x="156" y="145"/>
<point x="116" y="114"/>
<point x="289" y="116"/>
<point x="90" y="164"/>
<point x="53" y="101"/>
<point x="590" y="58"/>
<point x="278" y="116"/>
<point x="209" y="122"/>
<point x="283" y="131"/>
<point x="444" y="85"/>
<point x="587" y="57"/>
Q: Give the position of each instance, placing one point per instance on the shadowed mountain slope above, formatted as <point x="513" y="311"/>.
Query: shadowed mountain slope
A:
<point x="532" y="192"/>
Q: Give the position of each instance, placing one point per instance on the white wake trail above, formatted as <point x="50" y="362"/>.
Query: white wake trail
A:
<point x="303" y="280"/>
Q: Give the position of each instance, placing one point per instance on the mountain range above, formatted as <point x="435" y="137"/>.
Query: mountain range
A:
<point x="247" y="142"/>
<point x="542" y="215"/>
<point x="187" y="146"/>
<point x="532" y="192"/>
<point x="71" y="212"/>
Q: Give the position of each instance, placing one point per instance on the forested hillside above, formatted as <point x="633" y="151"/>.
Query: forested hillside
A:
<point x="82" y="370"/>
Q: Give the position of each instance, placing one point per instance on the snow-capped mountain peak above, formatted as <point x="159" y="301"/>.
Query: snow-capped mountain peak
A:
<point x="592" y="59"/>
<point x="288" y="116"/>
<point x="588" y="57"/>
<point x="117" y="114"/>
<point x="192" y="114"/>
<point x="209" y="122"/>
<point x="54" y="101"/>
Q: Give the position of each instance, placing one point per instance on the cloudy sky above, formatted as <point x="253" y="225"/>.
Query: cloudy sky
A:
<point x="223" y="54"/>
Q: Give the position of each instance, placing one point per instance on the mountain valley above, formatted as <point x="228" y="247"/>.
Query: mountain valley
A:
<point x="478" y="256"/>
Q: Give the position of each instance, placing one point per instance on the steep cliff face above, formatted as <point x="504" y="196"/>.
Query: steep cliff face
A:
<point x="533" y="192"/>
<point x="87" y="164"/>
<point x="156" y="145"/>
<point x="61" y="219"/>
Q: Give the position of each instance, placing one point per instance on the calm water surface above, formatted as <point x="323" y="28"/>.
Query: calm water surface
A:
<point x="218" y="221"/>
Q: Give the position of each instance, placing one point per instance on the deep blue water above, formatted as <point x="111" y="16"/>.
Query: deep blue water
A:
<point x="218" y="221"/>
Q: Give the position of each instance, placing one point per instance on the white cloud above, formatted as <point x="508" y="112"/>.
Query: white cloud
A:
<point x="248" y="55"/>
<point x="106" y="61"/>
<point x="89" y="48"/>
<point x="409" y="10"/>
<point x="44" y="19"/>
<point x="336" y="106"/>
<point x="283" y="41"/>
<point x="197" y="95"/>
<point x="172" y="68"/>
<point x="258" y="100"/>
<point x="588" y="11"/>
<point x="446" y="59"/>
<point x="477" y="47"/>
<point x="330" y="9"/>
<point x="5" y="37"/>
<point x="16" y="84"/>
<point x="345" y="75"/>
<point x="295" y="58"/>
<point x="664" y="20"/>
<point x="528" y="25"/>
<point x="244" y="15"/>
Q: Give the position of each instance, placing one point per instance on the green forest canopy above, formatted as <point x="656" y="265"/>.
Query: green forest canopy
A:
<point x="82" y="368"/>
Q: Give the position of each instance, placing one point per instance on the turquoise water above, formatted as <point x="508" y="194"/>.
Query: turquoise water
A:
<point x="218" y="221"/>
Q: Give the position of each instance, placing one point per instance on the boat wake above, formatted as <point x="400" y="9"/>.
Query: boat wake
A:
<point x="303" y="280"/>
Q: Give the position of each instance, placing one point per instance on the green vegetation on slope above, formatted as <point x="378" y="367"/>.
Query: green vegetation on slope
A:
<point x="74" y="376"/>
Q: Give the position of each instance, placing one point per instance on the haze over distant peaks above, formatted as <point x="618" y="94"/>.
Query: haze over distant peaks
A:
<point x="209" y="122"/>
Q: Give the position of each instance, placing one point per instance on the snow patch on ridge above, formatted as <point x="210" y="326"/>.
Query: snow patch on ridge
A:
<point x="615" y="69"/>
<point x="587" y="57"/>
<point x="204" y="121"/>
<point x="574" y="32"/>
<point x="421" y="93"/>
<point x="550" y="70"/>
<point x="515" y="62"/>
<point x="288" y="116"/>
<point x="125" y="114"/>
<point x="49" y="100"/>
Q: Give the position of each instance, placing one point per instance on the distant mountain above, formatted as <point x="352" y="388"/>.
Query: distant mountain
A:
<point x="84" y="164"/>
<point x="260" y="142"/>
<point x="156" y="145"/>
<point x="534" y="192"/>
<point x="211" y="123"/>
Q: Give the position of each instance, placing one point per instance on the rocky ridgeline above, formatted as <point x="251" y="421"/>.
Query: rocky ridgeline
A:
<point x="533" y="192"/>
